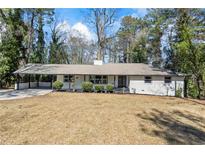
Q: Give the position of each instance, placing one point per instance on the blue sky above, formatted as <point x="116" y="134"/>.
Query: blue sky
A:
<point x="75" y="15"/>
<point x="75" y="19"/>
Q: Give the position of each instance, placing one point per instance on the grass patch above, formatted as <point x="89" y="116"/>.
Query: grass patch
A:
<point x="90" y="118"/>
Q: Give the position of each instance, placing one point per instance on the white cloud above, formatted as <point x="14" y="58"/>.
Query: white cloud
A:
<point x="139" y="12"/>
<point x="78" y="30"/>
<point x="82" y="30"/>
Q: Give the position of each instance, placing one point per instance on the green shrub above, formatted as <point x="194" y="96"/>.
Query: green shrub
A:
<point x="109" y="88"/>
<point x="179" y="92"/>
<point x="99" y="88"/>
<point x="57" y="85"/>
<point x="192" y="89"/>
<point x="87" y="86"/>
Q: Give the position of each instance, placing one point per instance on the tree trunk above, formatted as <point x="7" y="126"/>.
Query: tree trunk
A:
<point x="31" y="37"/>
<point x="203" y="90"/>
<point x="0" y="84"/>
<point x="100" y="53"/>
<point x="185" y="86"/>
<point x="198" y="87"/>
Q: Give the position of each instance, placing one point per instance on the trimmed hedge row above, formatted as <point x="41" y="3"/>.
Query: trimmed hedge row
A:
<point x="88" y="87"/>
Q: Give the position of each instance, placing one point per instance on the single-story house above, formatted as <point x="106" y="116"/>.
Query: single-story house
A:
<point x="134" y="77"/>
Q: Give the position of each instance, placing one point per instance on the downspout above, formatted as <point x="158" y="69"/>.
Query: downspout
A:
<point x="114" y="81"/>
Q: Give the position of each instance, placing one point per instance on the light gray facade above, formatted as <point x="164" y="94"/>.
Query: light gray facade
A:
<point x="136" y="78"/>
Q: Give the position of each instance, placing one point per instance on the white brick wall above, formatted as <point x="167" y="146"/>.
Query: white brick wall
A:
<point x="156" y="87"/>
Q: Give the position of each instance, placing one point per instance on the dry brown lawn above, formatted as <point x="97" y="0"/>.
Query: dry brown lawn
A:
<point x="82" y="118"/>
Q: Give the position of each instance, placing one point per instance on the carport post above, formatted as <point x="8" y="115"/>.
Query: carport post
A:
<point x="17" y="77"/>
<point x="29" y="80"/>
<point x="37" y="78"/>
<point x="52" y="81"/>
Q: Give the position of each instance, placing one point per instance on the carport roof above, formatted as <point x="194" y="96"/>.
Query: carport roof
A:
<point x="105" y="69"/>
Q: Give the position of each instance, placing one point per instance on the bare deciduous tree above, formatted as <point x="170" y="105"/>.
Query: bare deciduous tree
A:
<point x="102" y="20"/>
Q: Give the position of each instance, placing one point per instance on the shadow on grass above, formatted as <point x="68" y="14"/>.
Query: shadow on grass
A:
<point x="175" y="127"/>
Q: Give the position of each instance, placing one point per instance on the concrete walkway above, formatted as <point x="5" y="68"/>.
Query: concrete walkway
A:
<point x="5" y="90"/>
<point x="18" y="94"/>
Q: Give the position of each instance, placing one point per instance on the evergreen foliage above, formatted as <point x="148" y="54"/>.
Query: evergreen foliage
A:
<point x="57" y="85"/>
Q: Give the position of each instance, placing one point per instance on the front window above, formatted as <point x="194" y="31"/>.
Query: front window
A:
<point x="98" y="79"/>
<point x="167" y="79"/>
<point x="68" y="78"/>
<point x="147" y="79"/>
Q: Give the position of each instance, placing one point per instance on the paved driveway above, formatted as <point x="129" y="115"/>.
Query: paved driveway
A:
<point x="18" y="94"/>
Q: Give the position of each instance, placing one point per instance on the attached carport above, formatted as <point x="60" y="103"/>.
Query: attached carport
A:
<point x="25" y="81"/>
<point x="27" y="77"/>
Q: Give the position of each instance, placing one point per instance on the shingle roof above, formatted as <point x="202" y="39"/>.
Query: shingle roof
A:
<point x="105" y="69"/>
